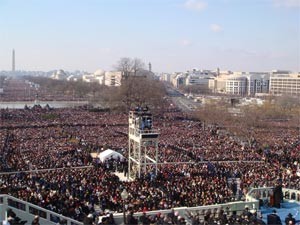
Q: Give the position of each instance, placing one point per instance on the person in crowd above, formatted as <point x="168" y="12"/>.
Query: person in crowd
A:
<point x="88" y="219"/>
<point x="290" y="219"/>
<point x="131" y="220"/>
<point x="144" y="219"/>
<point x="36" y="221"/>
<point x="273" y="219"/>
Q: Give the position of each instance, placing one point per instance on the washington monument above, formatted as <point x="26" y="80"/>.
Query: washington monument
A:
<point x="13" y="61"/>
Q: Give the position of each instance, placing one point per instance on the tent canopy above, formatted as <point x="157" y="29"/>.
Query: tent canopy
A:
<point x="107" y="154"/>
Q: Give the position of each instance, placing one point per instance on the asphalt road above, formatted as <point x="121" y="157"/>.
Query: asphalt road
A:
<point x="181" y="101"/>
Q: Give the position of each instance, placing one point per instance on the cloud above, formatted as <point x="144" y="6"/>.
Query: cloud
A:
<point x="286" y="3"/>
<point x="196" y="5"/>
<point x="216" y="28"/>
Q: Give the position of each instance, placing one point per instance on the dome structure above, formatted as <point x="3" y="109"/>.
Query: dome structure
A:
<point x="99" y="72"/>
<point x="59" y="75"/>
<point x="60" y="72"/>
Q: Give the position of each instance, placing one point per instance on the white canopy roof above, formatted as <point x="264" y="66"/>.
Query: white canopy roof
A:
<point x="107" y="154"/>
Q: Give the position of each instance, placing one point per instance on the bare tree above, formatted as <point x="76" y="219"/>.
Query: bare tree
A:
<point x="124" y="65"/>
<point x="129" y="66"/>
<point x="140" y="90"/>
<point x="287" y="102"/>
<point x="137" y="65"/>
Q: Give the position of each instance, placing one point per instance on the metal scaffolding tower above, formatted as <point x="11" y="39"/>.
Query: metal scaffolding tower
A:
<point x="143" y="144"/>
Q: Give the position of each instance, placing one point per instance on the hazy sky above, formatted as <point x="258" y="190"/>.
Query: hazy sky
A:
<point x="174" y="35"/>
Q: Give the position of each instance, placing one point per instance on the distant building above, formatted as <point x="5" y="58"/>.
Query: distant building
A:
<point x="72" y="78"/>
<point x="218" y="84"/>
<point x="236" y="85"/>
<point x="165" y="77"/>
<point x="113" y="78"/>
<point x="178" y="79"/>
<point x="108" y="78"/>
<point x="97" y="77"/>
<point x="240" y="83"/>
<point x="195" y="77"/>
<point x="199" y="77"/>
<point x="280" y="72"/>
<point x="257" y="83"/>
<point x="59" y="75"/>
<point x="284" y="83"/>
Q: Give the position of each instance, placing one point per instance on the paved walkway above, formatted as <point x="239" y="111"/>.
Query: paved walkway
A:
<point x="121" y="176"/>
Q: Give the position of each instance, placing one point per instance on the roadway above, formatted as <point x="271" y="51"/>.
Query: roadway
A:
<point x="183" y="102"/>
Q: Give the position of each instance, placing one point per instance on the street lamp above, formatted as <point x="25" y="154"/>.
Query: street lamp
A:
<point x="124" y="196"/>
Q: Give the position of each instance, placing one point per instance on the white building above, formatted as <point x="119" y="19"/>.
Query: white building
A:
<point x="285" y="83"/>
<point x="59" y="75"/>
<point x="113" y="78"/>
<point x="90" y="78"/>
<point x="218" y="84"/>
<point x="201" y="82"/>
<point x="178" y="79"/>
<point x="165" y="77"/>
<point x="193" y="77"/>
<point x="257" y="83"/>
<point x="236" y="85"/>
<point x="241" y="83"/>
<point x="97" y="76"/>
<point x="72" y="78"/>
<point x="199" y="77"/>
<point x="108" y="78"/>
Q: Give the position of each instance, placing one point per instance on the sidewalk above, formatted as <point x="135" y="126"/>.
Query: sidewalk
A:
<point x="121" y="176"/>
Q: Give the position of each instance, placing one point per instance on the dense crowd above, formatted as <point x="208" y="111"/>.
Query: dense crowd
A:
<point x="61" y="140"/>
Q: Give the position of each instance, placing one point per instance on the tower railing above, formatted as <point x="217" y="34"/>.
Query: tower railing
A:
<point x="145" y="131"/>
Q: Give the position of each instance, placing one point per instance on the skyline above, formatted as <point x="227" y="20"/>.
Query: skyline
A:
<point x="174" y="35"/>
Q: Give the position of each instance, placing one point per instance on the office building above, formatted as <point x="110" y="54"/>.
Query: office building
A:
<point x="285" y="83"/>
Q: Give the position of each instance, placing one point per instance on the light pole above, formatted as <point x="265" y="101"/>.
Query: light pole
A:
<point x="124" y="196"/>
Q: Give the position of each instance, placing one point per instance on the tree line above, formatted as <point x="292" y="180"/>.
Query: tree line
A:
<point x="246" y="121"/>
<point x="139" y="87"/>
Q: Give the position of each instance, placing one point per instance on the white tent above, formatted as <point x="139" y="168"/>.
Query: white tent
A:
<point x="107" y="154"/>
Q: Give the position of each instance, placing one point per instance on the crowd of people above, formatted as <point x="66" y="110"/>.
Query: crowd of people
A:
<point x="45" y="159"/>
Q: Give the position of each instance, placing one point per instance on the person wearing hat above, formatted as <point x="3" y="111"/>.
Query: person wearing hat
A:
<point x="290" y="220"/>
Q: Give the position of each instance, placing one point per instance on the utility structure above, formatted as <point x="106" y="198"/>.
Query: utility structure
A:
<point x="143" y="144"/>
